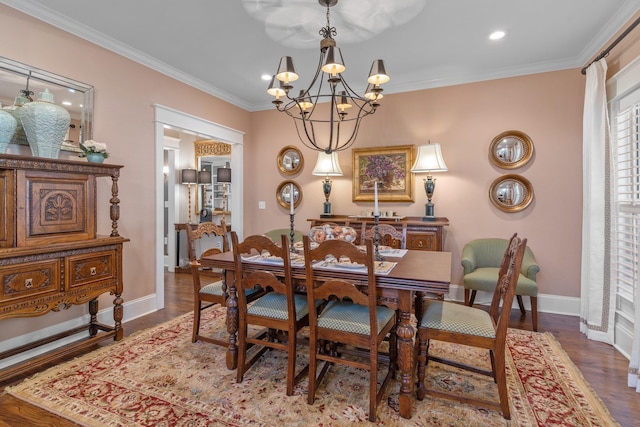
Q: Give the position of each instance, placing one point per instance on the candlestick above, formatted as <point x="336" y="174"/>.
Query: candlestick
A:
<point x="376" y="239"/>
<point x="292" y="233"/>
<point x="291" y="199"/>
<point x="376" y="212"/>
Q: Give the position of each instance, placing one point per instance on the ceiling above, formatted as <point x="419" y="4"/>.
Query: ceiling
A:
<point x="223" y="47"/>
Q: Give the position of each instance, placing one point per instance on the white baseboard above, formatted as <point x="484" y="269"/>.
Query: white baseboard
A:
<point x="556" y="304"/>
<point x="569" y="306"/>
<point x="132" y="310"/>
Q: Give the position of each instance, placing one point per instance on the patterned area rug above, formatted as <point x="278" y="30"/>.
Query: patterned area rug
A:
<point x="159" y="378"/>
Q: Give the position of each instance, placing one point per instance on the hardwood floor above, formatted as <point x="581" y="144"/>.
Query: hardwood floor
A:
<point x="601" y="365"/>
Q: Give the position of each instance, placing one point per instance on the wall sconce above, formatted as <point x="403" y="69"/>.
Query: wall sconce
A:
<point x="327" y="165"/>
<point x="189" y="176"/>
<point x="429" y="159"/>
<point x="224" y="176"/>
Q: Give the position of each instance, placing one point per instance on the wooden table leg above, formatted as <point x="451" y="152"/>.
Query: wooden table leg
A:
<point x="232" y="320"/>
<point x="406" y="362"/>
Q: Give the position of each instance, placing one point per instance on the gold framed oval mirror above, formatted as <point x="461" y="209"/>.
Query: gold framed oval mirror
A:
<point x="290" y="160"/>
<point x="283" y="194"/>
<point x="511" y="149"/>
<point x="511" y="193"/>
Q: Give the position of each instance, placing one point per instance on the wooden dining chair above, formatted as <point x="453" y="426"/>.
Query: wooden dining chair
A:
<point x="389" y="236"/>
<point x="209" y="288"/>
<point x="281" y="311"/>
<point x="469" y="326"/>
<point x="351" y="317"/>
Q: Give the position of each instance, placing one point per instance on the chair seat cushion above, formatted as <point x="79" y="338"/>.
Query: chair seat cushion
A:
<point x="452" y="317"/>
<point x="353" y="318"/>
<point x="485" y="279"/>
<point x="274" y="305"/>
<point x="214" y="288"/>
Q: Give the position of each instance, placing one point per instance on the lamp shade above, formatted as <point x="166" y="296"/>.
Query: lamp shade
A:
<point x="189" y="176"/>
<point x="429" y="159"/>
<point x="223" y="175"/>
<point x="204" y="177"/>
<point x="377" y="74"/>
<point x="327" y="164"/>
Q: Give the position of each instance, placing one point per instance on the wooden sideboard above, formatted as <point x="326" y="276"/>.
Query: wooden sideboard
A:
<point x="50" y="255"/>
<point x="417" y="234"/>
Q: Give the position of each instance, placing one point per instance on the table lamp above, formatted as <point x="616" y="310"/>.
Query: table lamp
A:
<point x="189" y="176"/>
<point x="327" y="165"/>
<point x="429" y="159"/>
<point x="223" y="175"/>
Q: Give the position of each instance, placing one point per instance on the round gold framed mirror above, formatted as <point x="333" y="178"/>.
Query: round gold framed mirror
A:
<point x="283" y="194"/>
<point x="511" y="193"/>
<point x="290" y="160"/>
<point x="511" y="149"/>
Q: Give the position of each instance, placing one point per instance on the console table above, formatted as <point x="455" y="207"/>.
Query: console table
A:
<point x="417" y="234"/>
<point x="50" y="255"/>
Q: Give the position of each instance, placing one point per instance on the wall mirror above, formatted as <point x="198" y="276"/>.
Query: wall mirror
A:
<point x="511" y="149"/>
<point x="290" y="160"/>
<point x="283" y="194"/>
<point x="74" y="96"/>
<point x="213" y="197"/>
<point x="511" y="193"/>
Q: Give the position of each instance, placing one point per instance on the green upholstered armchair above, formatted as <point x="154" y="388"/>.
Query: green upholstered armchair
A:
<point x="481" y="261"/>
<point x="275" y="234"/>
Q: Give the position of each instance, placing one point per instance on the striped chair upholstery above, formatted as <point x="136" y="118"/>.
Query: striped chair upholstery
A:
<point x="351" y="318"/>
<point x="282" y="312"/>
<point x="460" y="324"/>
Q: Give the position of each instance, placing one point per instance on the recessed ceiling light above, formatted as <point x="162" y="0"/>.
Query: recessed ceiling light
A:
<point x="497" y="35"/>
<point x="265" y="77"/>
<point x="66" y="103"/>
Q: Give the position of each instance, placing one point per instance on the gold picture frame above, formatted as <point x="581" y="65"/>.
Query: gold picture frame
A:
<point x="511" y="193"/>
<point x="290" y="160"/>
<point x="511" y="149"/>
<point x="391" y="166"/>
<point x="283" y="194"/>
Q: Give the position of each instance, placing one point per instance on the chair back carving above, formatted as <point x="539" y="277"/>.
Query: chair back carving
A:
<point x="335" y="288"/>
<point x="266" y="280"/>
<point x="506" y="285"/>
<point x="389" y="235"/>
<point x="206" y="229"/>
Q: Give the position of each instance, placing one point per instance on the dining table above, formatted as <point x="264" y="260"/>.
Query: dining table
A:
<point x="415" y="272"/>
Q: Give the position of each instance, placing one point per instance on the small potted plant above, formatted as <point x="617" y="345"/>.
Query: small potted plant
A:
<point x="95" y="152"/>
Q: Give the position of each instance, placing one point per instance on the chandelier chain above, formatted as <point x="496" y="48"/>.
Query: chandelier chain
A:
<point x="327" y="118"/>
<point x="328" y="32"/>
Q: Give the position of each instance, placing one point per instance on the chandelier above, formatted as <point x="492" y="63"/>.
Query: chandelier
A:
<point x="327" y="114"/>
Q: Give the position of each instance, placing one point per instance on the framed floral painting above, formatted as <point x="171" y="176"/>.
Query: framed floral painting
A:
<point x="390" y="166"/>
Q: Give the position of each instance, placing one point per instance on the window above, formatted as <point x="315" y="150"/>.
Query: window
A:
<point x="626" y="214"/>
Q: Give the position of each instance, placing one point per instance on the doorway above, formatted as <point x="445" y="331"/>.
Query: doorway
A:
<point x="165" y="116"/>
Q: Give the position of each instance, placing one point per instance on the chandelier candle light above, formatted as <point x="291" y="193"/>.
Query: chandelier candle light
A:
<point x="429" y="159"/>
<point x="316" y="106"/>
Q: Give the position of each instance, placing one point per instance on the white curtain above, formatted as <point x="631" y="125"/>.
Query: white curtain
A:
<point x="597" y="297"/>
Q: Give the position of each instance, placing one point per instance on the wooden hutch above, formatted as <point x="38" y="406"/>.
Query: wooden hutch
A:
<point x="50" y="255"/>
<point x="417" y="233"/>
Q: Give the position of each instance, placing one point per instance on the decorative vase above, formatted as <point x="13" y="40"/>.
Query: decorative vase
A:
<point x="8" y="125"/>
<point x="19" y="137"/>
<point x="45" y="124"/>
<point x="95" y="158"/>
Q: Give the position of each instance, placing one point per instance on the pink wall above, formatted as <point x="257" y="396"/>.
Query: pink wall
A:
<point x="463" y="119"/>
<point x="125" y="92"/>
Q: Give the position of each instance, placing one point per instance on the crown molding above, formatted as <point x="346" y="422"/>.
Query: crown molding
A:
<point x="78" y="29"/>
